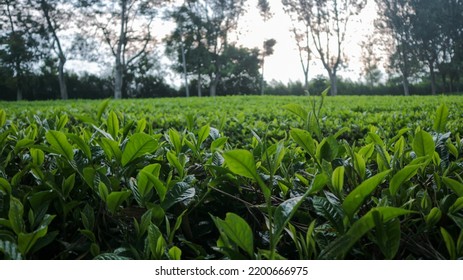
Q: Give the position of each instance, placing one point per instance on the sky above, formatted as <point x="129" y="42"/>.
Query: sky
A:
<point x="284" y="65"/>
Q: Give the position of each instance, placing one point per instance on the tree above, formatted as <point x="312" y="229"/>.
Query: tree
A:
<point x="427" y="34"/>
<point x="203" y="28"/>
<point x="20" y="46"/>
<point x="370" y="61"/>
<point x="56" y="16"/>
<point x="126" y="28"/>
<point x="395" y="23"/>
<point x="266" y="14"/>
<point x="267" y="51"/>
<point x="299" y="12"/>
<point x="326" y="21"/>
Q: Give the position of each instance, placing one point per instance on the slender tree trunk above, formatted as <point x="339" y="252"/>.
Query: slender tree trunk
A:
<point x="185" y="76"/>
<point x="19" y="94"/>
<point x="61" y="78"/>
<point x="118" y="80"/>
<point x="61" y="56"/>
<point x="334" y="83"/>
<point x="118" y="75"/>
<point x="213" y="89"/>
<point x="433" y="79"/>
<point x="199" y="84"/>
<point x="406" y="86"/>
<point x="262" y="78"/>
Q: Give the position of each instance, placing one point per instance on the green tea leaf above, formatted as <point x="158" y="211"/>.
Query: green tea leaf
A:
<point x="297" y="110"/>
<point x="423" y="145"/>
<point x="242" y="163"/>
<point x="179" y="192"/>
<point x="303" y="139"/>
<point x="2" y="117"/>
<point x="27" y="240"/>
<point x="238" y="231"/>
<point x="102" y="108"/>
<point x="60" y="144"/>
<point x="175" y="253"/>
<point x="84" y="147"/>
<point x="111" y="149"/>
<point x="402" y="176"/>
<point x="342" y="245"/>
<point x="175" y="140"/>
<point x="112" y="124"/>
<point x="203" y="133"/>
<point x="337" y="179"/>
<point x="139" y="144"/>
<point x="115" y="199"/>
<point x="144" y="183"/>
<point x="433" y="217"/>
<point x="456" y="186"/>
<point x="15" y="215"/>
<point x="440" y="121"/>
<point x="354" y="199"/>
<point x="5" y="186"/>
<point x="174" y="161"/>
<point x="38" y="156"/>
<point x="449" y="243"/>
<point x="283" y="215"/>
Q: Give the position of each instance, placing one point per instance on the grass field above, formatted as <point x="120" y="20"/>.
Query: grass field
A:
<point x="239" y="177"/>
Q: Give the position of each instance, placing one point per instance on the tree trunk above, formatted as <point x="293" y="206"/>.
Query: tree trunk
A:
<point x="185" y="76"/>
<point x="118" y="80"/>
<point x="199" y="85"/>
<point x="334" y="84"/>
<point x="19" y="93"/>
<point x="262" y="78"/>
<point x="406" y="86"/>
<point x="433" y="79"/>
<point x="62" y="82"/>
<point x="213" y="89"/>
<point x="118" y="75"/>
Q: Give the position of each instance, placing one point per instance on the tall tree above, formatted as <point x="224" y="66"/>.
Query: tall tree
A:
<point x="126" y="28"/>
<point x="329" y="20"/>
<point x="56" y="15"/>
<point x="395" y="22"/>
<point x="326" y="21"/>
<point x="299" y="12"/>
<point x="20" y="45"/>
<point x="428" y="34"/>
<point x="370" y="61"/>
<point x="206" y="26"/>
<point x="266" y="51"/>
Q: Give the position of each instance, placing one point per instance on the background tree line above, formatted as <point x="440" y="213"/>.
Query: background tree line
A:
<point x="418" y="42"/>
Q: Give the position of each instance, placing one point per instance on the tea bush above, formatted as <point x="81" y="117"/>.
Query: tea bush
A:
<point x="232" y="178"/>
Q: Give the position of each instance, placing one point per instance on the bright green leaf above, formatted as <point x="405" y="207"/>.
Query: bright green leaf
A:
<point x="112" y="124"/>
<point x="115" y="199"/>
<point x="337" y="179"/>
<point x="456" y="186"/>
<point x="303" y="139"/>
<point x="402" y="176"/>
<point x="60" y="144"/>
<point x="354" y="199"/>
<point x="440" y="121"/>
<point x="423" y="144"/>
<point x="139" y="144"/>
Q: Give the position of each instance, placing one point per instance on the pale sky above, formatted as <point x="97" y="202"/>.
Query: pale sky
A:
<point x="284" y="65"/>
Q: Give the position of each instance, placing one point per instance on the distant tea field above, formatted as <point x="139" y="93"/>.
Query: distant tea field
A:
<point x="235" y="177"/>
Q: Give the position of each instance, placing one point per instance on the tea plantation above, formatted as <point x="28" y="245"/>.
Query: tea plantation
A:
<point x="239" y="177"/>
